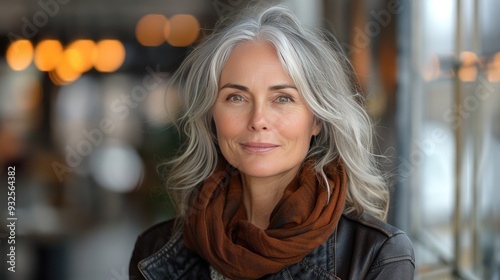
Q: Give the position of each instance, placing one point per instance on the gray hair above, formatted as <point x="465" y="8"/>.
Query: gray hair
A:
<point x="322" y="74"/>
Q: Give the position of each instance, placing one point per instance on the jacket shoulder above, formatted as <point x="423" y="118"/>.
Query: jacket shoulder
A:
<point x="374" y="248"/>
<point x="160" y="253"/>
<point x="369" y="224"/>
<point x="377" y="230"/>
<point x="149" y="242"/>
<point x="156" y="236"/>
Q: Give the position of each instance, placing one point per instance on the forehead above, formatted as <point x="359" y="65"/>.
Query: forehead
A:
<point x="252" y="52"/>
<point x="262" y="46"/>
<point x="254" y="60"/>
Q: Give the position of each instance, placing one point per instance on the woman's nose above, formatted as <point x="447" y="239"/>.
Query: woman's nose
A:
<point x="258" y="118"/>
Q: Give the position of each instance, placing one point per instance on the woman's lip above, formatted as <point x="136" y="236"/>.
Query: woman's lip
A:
<point x="257" y="147"/>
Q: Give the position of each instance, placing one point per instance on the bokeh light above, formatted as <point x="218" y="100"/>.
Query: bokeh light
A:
<point x="84" y="53"/>
<point x="182" y="31"/>
<point x="468" y="71"/>
<point x="149" y="30"/>
<point x="110" y="55"/>
<point x="117" y="166"/>
<point x="493" y="73"/>
<point x="167" y="27"/>
<point x="65" y="72"/>
<point x="48" y="54"/>
<point x="55" y="79"/>
<point x="20" y="55"/>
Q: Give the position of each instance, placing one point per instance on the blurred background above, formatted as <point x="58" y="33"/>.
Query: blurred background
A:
<point x="85" y="119"/>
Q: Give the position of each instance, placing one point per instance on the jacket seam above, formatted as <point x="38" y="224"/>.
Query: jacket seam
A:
<point x="373" y="226"/>
<point x="140" y="270"/>
<point x="148" y="261"/>
<point x="287" y="271"/>
<point x="316" y="269"/>
<point x="391" y="259"/>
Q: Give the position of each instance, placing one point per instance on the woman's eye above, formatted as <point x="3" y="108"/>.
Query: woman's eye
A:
<point x="235" y="98"/>
<point x="284" y="99"/>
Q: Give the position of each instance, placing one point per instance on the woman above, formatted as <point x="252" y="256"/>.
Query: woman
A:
<point x="276" y="178"/>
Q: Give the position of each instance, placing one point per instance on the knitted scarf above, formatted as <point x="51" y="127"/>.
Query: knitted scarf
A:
<point x="218" y="230"/>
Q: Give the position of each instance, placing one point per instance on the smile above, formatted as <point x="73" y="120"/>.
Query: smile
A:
<point x="258" y="148"/>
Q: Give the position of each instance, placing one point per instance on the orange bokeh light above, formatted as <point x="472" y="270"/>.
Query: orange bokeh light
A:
<point x="110" y="55"/>
<point x="149" y="30"/>
<point x="468" y="71"/>
<point x="493" y="74"/>
<point x="468" y="58"/>
<point x="55" y="79"/>
<point x="20" y="55"/>
<point x="65" y="71"/>
<point x="182" y="31"/>
<point x="83" y="55"/>
<point x="48" y="54"/>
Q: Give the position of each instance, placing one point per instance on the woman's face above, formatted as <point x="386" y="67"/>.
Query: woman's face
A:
<point x="264" y="126"/>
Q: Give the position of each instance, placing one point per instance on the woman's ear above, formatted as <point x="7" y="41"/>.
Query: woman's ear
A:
<point x="317" y="127"/>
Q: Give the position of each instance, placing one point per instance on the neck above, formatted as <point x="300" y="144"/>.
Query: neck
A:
<point x="260" y="196"/>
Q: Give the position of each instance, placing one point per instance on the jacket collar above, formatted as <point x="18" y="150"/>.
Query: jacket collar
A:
<point x="174" y="261"/>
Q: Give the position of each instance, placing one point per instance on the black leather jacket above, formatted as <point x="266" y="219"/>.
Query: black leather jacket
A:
<point x="360" y="248"/>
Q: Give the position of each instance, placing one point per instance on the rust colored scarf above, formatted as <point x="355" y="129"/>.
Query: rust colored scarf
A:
<point x="218" y="230"/>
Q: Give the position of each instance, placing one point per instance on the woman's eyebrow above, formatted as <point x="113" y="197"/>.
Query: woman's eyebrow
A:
<point x="283" y="86"/>
<point x="235" y="86"/>
<point x="244" y="88"/>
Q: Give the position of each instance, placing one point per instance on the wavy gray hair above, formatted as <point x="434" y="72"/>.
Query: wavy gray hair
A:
<point x="322" y="74"/>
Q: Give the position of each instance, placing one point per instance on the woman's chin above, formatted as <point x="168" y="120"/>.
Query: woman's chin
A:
<point x="264" y="170"/>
